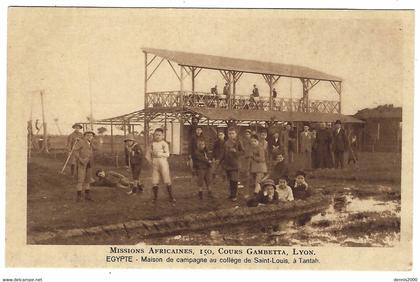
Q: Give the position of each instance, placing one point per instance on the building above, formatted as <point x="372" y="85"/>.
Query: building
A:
<point x="180" y="110"/>
<point x="382" y="129"/>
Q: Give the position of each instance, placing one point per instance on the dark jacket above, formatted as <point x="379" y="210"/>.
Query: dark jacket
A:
<point x="264" y="199"/>
<point x="280" y="169"/>
<point x="112" y="179"/>
<point x="274" y="145"/>
<point x="231" y="153"/>
<point x="340" y="141"/>
<point x="192" y="146"/>
<point x="133" y="155"/>
<point x="200" y="159"/>
<point x="218" y="148"/>
<point x="299" y="191"/>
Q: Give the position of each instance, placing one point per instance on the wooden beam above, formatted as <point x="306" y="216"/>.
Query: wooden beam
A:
<point x="199" y="70"/>
<point x="155" y="69"/>
<point x="112" y="138"/>
<point x="169" y="62"/>
<point x="148" y="63"/>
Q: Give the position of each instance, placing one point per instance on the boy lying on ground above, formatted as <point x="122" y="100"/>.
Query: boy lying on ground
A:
<point x="267" y="194"/>
<point x="300" y="187"/>
<point x="284" y="191"/>
<point x="114" y="179"/>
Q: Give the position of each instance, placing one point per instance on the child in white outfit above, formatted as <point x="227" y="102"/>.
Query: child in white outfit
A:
<point x="159" y="154"/>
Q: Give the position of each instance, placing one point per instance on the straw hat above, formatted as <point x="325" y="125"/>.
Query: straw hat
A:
<point x="129" y="137"/>
<point x="77" y="125"/>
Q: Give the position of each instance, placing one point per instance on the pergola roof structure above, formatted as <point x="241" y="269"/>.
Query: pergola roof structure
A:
<point x="240" y="65"/>
<point x="222" y="115"/>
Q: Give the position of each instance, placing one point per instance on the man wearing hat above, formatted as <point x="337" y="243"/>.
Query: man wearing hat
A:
<point x="83" y="153"/>
<point x="75" y="136"/>
<point x="134" y="160"/>
<point x="339" y="144"/>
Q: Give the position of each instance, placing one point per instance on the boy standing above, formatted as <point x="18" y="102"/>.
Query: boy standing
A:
<point x="218" y="148"/>
<point x="203" y="168"/>
<point x="233" y="149"/>
<point x="159" y="154"/>
<point x="134" y="160"/>
<point x="258" y="166"/>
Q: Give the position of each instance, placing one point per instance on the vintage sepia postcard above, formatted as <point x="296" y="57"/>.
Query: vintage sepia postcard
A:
<point x="209" y="138"/>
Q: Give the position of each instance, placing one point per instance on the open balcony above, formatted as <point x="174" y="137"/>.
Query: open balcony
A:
<point x="168" y="99"/>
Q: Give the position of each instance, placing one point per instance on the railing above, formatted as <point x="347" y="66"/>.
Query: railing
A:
<point x="246" y="102"/>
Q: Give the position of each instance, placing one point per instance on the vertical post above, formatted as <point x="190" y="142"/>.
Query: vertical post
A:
<point x="339" y="93"/>
<point x="112" y="138"/>
<point x="270" y="85"/>
<point x="193" y="80"/>
<point x="125" y="129"/>
<point x="172" y="136"/>
<point x="146" y="131"/>
<point x="30" y="134"/>
<point x="165" y="125"/>
<point x="145" y="79"/>
<point x="181" y="118"/>
<point x="231" y="91"/>
<point x="181" y="87"/>
<point x="305" y="94"/>
<point x="44" y="125"/>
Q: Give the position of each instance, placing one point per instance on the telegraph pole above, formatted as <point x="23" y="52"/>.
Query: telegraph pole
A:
<point x="44" y="125"/>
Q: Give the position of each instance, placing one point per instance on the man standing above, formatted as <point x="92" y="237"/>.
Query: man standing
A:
<point x="274" y="145"/>
<point x="306" y="145"/>
<point x="339" y="144"/>
<point x="83" y="152"/>
<point x="322" y="146"/>
<point x="75" y="136"/>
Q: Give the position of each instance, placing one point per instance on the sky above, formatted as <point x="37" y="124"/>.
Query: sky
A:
<point x="75" y="55"/>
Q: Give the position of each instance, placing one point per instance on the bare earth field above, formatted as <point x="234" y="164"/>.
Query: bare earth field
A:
<point x="52" y="206"/>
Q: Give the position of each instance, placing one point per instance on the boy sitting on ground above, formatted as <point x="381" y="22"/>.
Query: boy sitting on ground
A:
<point x="267" y="195"/>
<point x="203" y="168"/>
<point x="300" y="187"/>
<point x="284" y="191"/>
<point x="114" y="179"/>
<point x="280" y="169"/>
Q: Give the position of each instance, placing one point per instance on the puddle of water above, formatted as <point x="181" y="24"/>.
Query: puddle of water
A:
<point x="348" y="221"/>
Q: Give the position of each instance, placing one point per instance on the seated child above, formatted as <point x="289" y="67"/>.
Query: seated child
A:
<point x="267" y="195"/>
<point x="203" y="168"/>
<point x="284" y="191"/>
<point x="114" y="179"/>
<point x="280" y="169"/>
<point x="299" y="186"/>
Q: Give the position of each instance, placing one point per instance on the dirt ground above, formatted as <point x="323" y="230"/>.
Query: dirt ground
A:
<point x="52" y="206"/>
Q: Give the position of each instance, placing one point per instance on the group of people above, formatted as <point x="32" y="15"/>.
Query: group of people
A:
<point x="264" y="159"/>
<point x="266" y="172"/>
<point x="81" y="151"/>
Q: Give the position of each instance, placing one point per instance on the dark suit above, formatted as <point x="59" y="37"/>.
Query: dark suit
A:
<point x="274" y="146"/>
<point x="339" y="146"/>
<point x="321" y="146"/>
